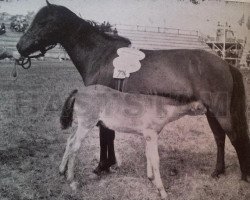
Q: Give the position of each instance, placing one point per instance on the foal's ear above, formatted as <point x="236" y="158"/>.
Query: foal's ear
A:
<point x="48" y="3"/>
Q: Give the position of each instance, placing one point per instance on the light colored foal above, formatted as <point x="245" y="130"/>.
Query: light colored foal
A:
<point x="122" y="112"/>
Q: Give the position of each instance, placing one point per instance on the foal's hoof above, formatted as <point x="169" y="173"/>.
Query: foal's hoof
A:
<point x="74" y="185"/>
<point x="151" y="178"/>
<point x="163" y="194"/>
<point x="62" y="171"/>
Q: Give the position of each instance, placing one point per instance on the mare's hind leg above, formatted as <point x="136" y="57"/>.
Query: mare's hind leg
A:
<point x="237" y="131"/>
<point x="152" y="155"/>
<point x="239" y="135"/>
<point x="219" y="135"/>
<point x="240" y="140"/>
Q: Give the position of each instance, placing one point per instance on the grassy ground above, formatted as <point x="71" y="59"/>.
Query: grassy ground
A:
<point x="32" y="145"/>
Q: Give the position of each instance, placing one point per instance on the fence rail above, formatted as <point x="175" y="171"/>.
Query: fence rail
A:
<point x="157" y="29"/>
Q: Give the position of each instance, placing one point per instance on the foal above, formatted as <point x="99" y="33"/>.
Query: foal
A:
<point x="127" y="113"/>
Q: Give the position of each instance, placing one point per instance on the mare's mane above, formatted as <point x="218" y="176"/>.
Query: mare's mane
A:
<point x="95" y="25"/>
<point x="86" y="27"/>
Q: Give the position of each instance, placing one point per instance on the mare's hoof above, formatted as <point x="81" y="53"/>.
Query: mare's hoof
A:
<point x="114" y="167"/>
<point x="174" y="172"/>
<point x="105" y="167"/>
<point x="217" y="173"/>
<point x="99" y="169"/>
<point x="245" y="178"/>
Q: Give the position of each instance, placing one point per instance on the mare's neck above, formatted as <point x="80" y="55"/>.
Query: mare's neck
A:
<point x="92" y="53"/>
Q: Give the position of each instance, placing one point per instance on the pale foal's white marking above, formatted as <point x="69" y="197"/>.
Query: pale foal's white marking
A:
<point x="127" y="113"/>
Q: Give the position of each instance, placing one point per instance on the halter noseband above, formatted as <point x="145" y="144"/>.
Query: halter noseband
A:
<point x="25" y="62"/>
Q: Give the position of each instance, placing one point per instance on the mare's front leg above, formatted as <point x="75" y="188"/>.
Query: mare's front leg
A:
<point x="107" y="151"/>
<point x="153" y="161"/>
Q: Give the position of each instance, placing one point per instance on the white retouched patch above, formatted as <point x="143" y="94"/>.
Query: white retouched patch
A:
<point x="127" y="62"/>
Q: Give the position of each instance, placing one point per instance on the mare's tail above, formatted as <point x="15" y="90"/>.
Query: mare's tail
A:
<point x="67" y="111"/>
<point x="239" y="122"/>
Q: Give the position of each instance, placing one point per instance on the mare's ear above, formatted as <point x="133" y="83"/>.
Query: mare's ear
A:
<point x="48" y="3"/>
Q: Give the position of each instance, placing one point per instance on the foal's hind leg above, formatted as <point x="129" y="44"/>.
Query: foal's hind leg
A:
<point x="73" y="145"/>
<point x="153" y="159"/>
<point x="219" y="135"/>
<point x="64" y="162"/>
<point x="73" y="149"/>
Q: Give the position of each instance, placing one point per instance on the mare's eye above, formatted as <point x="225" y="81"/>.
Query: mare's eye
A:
<point x="42" y="23"/>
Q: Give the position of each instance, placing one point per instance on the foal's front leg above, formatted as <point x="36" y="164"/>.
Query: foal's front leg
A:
<point x="150" y="173"/>
<point x="153" y="161"/>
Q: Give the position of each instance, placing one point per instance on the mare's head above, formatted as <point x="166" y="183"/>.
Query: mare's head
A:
<point x="49" y="27"/>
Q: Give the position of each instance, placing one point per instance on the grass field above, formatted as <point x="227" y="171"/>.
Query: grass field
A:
<point x="32" y="145"/>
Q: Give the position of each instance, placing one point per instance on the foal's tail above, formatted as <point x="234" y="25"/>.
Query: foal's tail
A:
<point x="67" y="111"/>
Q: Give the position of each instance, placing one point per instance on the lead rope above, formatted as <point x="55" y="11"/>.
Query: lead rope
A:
<point x="14" y="71"/>
<point x="25" y="62"/>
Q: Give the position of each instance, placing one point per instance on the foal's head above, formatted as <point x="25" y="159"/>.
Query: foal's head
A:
<point x="49" y="27"/>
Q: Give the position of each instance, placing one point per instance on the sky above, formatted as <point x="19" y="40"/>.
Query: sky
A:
<point x="165" y="13"/>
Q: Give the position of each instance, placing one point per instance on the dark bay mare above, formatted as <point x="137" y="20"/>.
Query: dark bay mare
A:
<point x="184" y="75"/>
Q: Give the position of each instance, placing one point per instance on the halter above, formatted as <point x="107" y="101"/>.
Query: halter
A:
<point x="25" y="62"/>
